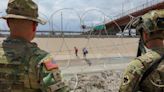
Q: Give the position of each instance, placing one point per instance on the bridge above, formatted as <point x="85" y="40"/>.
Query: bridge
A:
<point x="126" y="18"/>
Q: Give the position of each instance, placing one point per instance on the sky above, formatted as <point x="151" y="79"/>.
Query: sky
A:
<point x="69" y="15"/>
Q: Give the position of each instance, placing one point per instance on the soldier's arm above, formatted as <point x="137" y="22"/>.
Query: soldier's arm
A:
<point x="131" y="76"/>
<point x="50" y="76"/>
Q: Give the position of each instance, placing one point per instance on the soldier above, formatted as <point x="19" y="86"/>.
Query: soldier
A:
<point x="24" y="67"/>
<point x="146" y="72"/>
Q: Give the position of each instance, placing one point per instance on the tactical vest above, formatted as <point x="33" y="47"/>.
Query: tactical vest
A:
<point x="155" y="81"/>
<point x="16" y="74"/>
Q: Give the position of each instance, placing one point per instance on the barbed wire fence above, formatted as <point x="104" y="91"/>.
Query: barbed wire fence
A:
<point x="58" y="25"/>
<point x="63" y="41"/>
<point x="89" y="42"/>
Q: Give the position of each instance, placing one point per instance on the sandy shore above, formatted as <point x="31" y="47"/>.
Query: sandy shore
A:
<point x="97" y="47"/>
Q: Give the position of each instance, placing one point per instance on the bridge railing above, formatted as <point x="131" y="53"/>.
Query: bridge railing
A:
<point x="140" y="7"/>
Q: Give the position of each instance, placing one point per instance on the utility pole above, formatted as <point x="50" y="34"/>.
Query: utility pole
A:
<point x="122" y="8"/>
<point x="124" y="3"/>
<point x="147" y="2"/>
<point x="62" y="24"/>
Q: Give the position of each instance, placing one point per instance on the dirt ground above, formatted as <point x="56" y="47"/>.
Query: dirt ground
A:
<point x="106" y="81"/>
<point x="97" y="47"/>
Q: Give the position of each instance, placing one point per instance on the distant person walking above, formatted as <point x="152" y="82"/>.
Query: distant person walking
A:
<point x="76" y="51"/>
<point x="85" y="51"/>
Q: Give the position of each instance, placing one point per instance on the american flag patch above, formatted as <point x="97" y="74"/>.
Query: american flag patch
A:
<point x="50" y="64"/>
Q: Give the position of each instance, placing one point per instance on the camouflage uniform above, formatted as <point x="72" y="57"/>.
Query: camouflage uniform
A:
<point x="137" y="67"/>
<point x="23" y="66"/>
<point x="154" y="82"/>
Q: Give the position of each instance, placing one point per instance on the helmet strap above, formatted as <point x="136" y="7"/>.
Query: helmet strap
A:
<point x="141" y="45"/>
<point x="34" y="26"/>
<point x="154" y="38"/>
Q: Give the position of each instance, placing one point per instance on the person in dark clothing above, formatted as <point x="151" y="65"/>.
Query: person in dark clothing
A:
<point x="85" y="51"/>
<point x="76" y="51"/>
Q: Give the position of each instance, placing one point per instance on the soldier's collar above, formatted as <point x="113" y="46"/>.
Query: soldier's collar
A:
<point x="159" y="50"/>
<point x="17" y="40"/>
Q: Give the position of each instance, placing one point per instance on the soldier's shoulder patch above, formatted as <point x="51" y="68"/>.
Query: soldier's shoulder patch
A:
<point x="126" y="80"/>
<point x="50" y="64"/>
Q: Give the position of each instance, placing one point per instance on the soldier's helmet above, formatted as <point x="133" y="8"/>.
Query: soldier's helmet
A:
<point x="151" y="21"/>
<point x="23" y="9"/>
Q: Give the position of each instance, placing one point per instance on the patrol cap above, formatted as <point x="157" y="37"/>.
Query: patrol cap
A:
<point x="23" y="9"/>
<point x="151" y="21"/>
